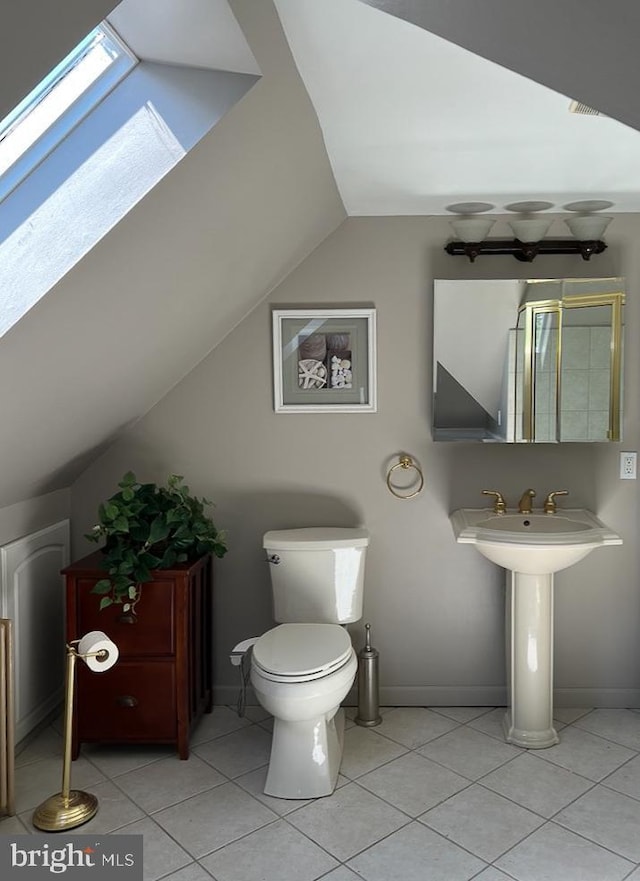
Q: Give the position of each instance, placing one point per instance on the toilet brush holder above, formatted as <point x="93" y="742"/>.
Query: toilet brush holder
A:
<point x="368" y="684"/>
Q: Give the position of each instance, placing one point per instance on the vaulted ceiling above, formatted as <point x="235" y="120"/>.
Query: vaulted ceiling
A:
<point x="420" y="106"/>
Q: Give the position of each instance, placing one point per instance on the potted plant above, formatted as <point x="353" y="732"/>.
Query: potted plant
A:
<point x="146" y="527"/>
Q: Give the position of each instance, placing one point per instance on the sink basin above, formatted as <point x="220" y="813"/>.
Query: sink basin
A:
<point x="536" y="543"/>
<point x="538" y="524"/>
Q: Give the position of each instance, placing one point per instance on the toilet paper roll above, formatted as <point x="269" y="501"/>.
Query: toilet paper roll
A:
<point x="97" y="641"/>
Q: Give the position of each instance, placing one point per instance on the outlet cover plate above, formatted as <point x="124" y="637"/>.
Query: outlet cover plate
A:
<point x="628" y="463"/>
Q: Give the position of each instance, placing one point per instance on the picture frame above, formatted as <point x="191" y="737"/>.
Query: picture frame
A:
<point x="324" y="360"/>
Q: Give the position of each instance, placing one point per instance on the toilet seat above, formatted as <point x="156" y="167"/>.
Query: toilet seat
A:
<point x="302" y="652"/>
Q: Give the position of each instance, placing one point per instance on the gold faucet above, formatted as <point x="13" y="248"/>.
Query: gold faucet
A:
<point x="524" y="505"/>
<point x="499" y="505"/>
<point x="550" y="503"/>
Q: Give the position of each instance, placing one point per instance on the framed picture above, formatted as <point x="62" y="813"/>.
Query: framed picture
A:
<point x="324" y="360"/>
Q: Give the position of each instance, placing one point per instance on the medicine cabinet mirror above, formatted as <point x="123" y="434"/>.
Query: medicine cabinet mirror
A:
<point x="528" y="360"/>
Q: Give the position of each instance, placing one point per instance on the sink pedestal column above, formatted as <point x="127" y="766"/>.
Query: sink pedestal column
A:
<point x="529" y="720"/>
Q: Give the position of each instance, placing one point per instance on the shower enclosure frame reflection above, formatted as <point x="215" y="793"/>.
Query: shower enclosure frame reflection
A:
<point x="477" y="377"/>
<point x="530" y="312"/>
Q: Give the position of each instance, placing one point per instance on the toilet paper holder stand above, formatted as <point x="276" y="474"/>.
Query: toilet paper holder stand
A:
<point x="70" y="807"/>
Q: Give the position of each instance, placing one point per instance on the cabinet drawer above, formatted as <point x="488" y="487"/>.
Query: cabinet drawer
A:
<point x="152" y="630"/>
<point x="132" y="701"/>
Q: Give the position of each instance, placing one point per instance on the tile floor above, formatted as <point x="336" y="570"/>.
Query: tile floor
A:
<point x="430" y="794"/>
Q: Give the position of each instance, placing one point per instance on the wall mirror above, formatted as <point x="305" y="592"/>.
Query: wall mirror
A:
<point x="528" y="360"/>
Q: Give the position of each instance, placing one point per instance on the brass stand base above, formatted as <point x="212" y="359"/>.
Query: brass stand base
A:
<point x="58" y="813"/>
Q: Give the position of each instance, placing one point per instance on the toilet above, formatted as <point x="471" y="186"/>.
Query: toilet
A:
<point x="302" y="669"/>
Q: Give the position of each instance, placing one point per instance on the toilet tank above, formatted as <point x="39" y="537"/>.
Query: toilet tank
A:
<point x="317" y="574"/>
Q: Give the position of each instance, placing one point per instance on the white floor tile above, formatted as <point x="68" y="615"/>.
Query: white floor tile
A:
<point x="589" y="784"/>
<point x="482" y="822"/>
<point x="365" y="750"/>
<point x="214" y="818"/>
<point x="415" y="853"/>
<point x="347" y="822"/>
<point x="414" y="726"/>
<point x="555" y="854"/>
<point x="12" y="826"/>
<point x="620" y="726"/>
<point x="255" y="713"/>
<point x="608" y="818"/>
<point x="162" y="855"/>
<point x="342" y="873"/>
<point x="239" y="752"/>
<point x="253" y="783"/>
<point x="413" y="784"/>
<point x="585" y="754"/>
<point x="116" y="760"/>
<point x="490" y="723"/>
<point x="275" y="853"/>
<point x="462" y="714"/>
<point x="39" y="780"/>
<point x="626" y="779"/>
<point x="47" y="743"/>
<point x="169" y="781"/>
<point x="469" y="752"/>
<point x="567" y="715"/>
<point x="221" y="721"/>
<point x="192" y="872"/>
<point x="492" y="874"/>
<point x="537" y="785"/>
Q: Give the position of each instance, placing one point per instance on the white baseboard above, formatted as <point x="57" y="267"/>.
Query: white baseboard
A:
<point x="609" y="698"/>
<point x="464" y="696"/>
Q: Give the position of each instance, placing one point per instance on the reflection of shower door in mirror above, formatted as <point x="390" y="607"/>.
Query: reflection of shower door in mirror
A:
<point x="570" y="382"/>
<point x="541" y="371"/>
<point x="585" y="376"/>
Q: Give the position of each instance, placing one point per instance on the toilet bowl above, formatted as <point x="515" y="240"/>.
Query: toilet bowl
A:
<point x="300" y="674"/>
<point x="302" y="669"/>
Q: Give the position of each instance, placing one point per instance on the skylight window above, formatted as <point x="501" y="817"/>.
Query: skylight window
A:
<point x="59" y="102"/>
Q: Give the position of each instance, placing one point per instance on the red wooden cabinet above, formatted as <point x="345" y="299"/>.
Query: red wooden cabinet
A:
<point x="162" y="682"/>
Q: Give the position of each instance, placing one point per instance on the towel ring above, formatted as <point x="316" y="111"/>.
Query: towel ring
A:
<point x="405" y="463"/>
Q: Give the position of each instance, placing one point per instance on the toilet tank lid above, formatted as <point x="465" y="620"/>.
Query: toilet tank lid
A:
<point x="315" y="538"/>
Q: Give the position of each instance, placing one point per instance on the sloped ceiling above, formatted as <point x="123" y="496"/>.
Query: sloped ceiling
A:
<point x="196" y="33"/>
<point x="414" y="123"/>
<point x="172" y="279"/>
<point x="584" y="48"/>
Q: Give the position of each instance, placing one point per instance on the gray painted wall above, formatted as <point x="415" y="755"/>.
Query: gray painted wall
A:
<point x="26" y="517"/>
<point x="436" y="607"/>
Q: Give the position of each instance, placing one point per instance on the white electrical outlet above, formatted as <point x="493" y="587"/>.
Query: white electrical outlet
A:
<point x="628" y="466"/>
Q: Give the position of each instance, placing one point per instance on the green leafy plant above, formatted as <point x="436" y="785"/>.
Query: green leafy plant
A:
<point x="146" y="527"/>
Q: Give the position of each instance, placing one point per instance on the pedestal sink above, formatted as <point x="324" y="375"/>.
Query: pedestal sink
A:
<point x="533" y="547"/>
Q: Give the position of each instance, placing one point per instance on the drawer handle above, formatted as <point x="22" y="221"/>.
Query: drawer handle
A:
<point x="127" y="618"/>
<point x="126" y="700"/>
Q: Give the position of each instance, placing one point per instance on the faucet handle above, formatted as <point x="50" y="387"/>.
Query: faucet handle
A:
<point x="499" y="505"/>
<point x="550" y="502"/>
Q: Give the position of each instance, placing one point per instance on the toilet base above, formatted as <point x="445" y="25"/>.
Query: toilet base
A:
<point x="291" y="773"/>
